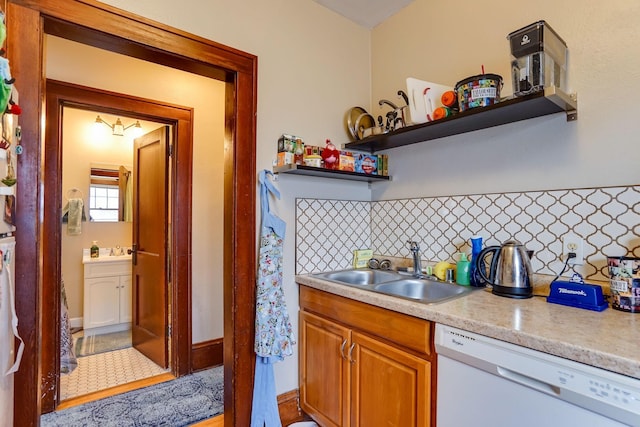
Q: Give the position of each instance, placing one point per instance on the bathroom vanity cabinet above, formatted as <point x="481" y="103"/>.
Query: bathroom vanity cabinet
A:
<point x="362" y="365"/>
<point x="107" y="295"/>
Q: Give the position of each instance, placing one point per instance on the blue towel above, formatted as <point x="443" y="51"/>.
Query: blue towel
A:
<point x="265" y="403"/>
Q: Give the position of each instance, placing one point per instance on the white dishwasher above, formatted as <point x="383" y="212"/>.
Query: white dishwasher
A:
<point x="486" y="382"/>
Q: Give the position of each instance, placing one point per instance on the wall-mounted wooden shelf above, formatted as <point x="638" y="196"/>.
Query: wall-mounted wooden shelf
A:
<point x="328" y="173"/>
<point x="550" y="101"/>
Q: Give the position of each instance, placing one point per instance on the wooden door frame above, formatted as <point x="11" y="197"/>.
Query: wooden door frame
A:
<point x="100" y="25"/>
<point x="58" y="96"/>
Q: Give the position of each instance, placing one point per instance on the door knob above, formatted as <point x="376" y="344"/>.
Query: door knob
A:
<point x="134" y="253"/>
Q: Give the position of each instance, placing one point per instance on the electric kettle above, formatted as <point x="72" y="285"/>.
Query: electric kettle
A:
<point x="510" y="270"/>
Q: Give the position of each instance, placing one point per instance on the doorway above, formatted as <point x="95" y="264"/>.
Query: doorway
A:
<point x="100" y="25"/>
<point x="61" y="95"/>
<point x="97" y="351"/>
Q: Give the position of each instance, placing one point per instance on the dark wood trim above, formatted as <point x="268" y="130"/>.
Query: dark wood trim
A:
<point x="146" y="38"/>
<point x="206" y="354"/>
<point x="24" y="51"/>
<point x="26" y="22"/>
<point x="60" y="95"/>
<point x="239" y="249"/>
<point x="289" y="408"/>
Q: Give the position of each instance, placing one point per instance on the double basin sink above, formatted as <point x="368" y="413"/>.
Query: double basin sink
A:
<point x="420" y="289"/>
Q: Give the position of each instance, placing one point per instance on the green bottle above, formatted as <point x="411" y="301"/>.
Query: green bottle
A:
<point x="95" y="250"/>
<point x="462" y="270"/>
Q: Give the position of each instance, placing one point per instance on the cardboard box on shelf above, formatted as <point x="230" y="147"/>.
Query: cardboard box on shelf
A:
<point x="285" y="158"/>
<point x="287" y="143"/>
<point x="346" y="163"/>
<point x="383" y="165"/>
<point x="366" y="163"/>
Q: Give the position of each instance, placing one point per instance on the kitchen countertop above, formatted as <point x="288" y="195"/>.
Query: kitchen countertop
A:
<point x="609" y="339"/>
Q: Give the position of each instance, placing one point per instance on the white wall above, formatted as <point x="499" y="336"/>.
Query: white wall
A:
<point x="313" y="65"/>
<point x="81" y="147"/>
<point x="81" y="64"/>
<point x="445" y="42"/>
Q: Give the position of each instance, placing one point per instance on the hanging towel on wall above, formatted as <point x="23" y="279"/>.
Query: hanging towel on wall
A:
<point x="274" y="334"/>
<point x="65" y="214"/>
<point x="75" y="213"/>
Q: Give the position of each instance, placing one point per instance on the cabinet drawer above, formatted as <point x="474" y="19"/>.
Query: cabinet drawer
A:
<point x="102" y="269"/>
<point x="401" y="329"/>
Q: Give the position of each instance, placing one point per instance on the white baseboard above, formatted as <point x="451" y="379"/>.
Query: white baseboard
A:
<point x="75" y="322"/>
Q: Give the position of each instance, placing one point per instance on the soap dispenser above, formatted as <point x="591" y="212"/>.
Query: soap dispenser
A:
<point x="462" y="270"/>
<point x="95" y="250"/>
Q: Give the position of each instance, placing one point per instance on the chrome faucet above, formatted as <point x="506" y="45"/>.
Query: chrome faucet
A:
<point x="417" y="264"/>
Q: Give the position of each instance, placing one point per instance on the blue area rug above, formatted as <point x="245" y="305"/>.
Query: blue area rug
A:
<point x="175" y="403"/>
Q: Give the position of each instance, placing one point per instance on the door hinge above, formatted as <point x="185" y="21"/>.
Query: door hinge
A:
<point x="170" y="150"/>
<point x="168" y="330"/>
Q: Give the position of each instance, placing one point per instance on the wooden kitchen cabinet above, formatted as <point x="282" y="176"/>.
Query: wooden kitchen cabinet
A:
<point x="389" y="386"/>
<point x="324" y="370"/>
<point x="362" y="365"/>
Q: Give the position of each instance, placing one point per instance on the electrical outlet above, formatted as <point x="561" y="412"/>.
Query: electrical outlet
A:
<point x="573" y="243"/>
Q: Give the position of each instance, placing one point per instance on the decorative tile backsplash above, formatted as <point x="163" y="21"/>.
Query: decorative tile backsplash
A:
<point x="327" y="232"/>
<point x="607" y="219"/>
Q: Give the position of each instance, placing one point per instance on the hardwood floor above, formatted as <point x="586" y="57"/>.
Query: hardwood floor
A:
<point x="212" y="422"/>
<point x="81" y="400"/>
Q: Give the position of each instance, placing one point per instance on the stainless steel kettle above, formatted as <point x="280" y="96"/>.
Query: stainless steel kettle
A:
<point x="510" y="270"/>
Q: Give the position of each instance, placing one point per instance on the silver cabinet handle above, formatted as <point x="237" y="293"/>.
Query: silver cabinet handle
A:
<point x="344" y="343"/>
<point x="351" y="359"/>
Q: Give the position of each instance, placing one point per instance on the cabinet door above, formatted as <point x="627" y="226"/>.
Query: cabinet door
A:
<point x="389" y="387"/>
<point x="125" y="299"/>
<point x="324" y="370"/>
<point x="101" y="302"/>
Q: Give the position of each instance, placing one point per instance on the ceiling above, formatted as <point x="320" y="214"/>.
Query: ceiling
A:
<point x="367" y="13"/>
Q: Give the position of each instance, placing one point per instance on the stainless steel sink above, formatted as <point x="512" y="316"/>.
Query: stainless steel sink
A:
<point x="423" y="290"/>
<point x="360" y="276"/>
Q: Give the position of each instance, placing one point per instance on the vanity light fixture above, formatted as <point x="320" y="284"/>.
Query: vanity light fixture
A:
<point x="118" y="128"/>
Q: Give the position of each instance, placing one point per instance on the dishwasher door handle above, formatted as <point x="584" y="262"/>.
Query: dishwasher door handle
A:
<point x="528" y="381"/>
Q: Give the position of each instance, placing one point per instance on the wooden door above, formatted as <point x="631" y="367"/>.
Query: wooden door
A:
<point x="324" y="370"/>
<point x="150" y="281"/>
<point x="390" y="387"/>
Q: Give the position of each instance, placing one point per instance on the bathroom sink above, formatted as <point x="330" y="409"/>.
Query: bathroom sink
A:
<point x="360" y="276"/>
<point x="423" y="290"/>
<point x="106" y="258"/>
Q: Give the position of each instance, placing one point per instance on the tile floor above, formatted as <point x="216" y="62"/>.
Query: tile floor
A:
<point x="105" y="370"/>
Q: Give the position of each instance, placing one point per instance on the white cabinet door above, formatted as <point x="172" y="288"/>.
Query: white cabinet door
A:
<point x="125" y="299"/>
<point x="101" y="302"/>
